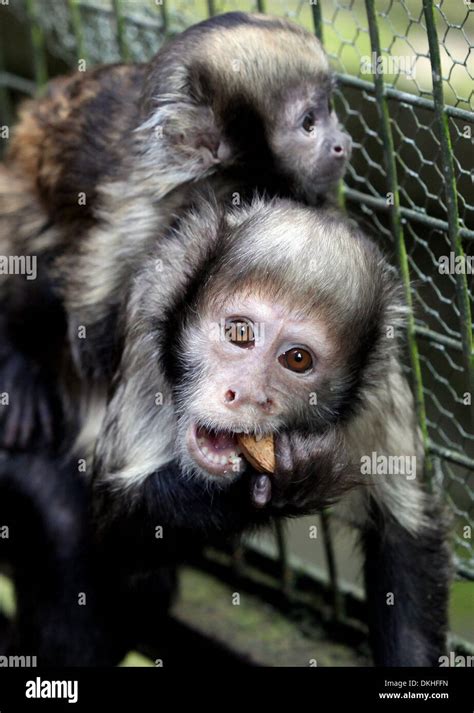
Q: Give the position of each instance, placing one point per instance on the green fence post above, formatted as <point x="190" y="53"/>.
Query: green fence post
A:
<point x="317" y="19"/>
<point x="38" y="44"/>
<point x="462" y="291"/>
<point x="77" y="27"/>
<point x="397" y="230"/>
<point x="164" y="15"/>
<point x="5" y="100"/>
<point x="120" y="24"/>
<point x="337" y="600"/>
<point x="286" y="577"/>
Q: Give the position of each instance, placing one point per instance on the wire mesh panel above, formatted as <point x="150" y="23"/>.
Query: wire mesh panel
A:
<point x="406" y="71"/>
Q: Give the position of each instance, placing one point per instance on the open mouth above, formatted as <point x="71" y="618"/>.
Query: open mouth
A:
<point x="217" y="452"/>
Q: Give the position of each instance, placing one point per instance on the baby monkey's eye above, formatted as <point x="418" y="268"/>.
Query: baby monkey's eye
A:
<point x="308" y="122"/>
<point x="240" y="332"/>
<point x="296" y="359"/>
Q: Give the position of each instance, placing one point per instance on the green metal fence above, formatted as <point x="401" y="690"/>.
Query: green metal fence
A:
<point x="411" y="179"/>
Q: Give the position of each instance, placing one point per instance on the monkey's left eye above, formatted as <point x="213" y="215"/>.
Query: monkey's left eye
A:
<point x="308" y="122"/>
<point x="240" y="332"/>
<point x="296" y="359"/>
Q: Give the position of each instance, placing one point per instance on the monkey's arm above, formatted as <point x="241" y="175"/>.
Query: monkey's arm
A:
<point x="406" y="578"/>
<point x="60" y="617"/>
<point x="189" y="510"/>
<point x="30" y="410"/>
<point x="32" y="321"/>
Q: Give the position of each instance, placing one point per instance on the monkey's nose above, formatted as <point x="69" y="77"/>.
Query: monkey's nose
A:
<point x="235" y="399"/>
<point x="338" y="151"/>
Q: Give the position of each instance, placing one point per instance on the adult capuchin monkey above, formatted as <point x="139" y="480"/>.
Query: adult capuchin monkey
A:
<point x="273" y="319"/>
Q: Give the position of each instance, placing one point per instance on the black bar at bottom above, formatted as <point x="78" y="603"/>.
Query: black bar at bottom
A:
<point x="145" y="689"/>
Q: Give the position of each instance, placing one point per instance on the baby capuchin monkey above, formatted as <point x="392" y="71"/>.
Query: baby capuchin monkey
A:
<point x="240" y="101"/>
<point x="271" y="320"/>
<point x="246" y="96"/>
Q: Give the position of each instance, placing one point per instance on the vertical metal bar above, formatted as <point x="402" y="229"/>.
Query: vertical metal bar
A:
<point x="317" y="19"/>
<point x="337" y="601"/>
<point x="38" y="44"/>
<point x="261" y="6"/>
<point x="286" y="577"/>
<point x="77" y="27"/>
<point x="238" y="556"/>
<point x="462" y="291"/>
<point x="164" y="16"/>
<point x="5" y="99"/>
<point x="397" y="231"/>
<point x="120" y="24"/>
<point x="211" y="8"/>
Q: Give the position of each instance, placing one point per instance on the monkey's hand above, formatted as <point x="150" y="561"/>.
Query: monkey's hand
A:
<point x="312" y="472"/>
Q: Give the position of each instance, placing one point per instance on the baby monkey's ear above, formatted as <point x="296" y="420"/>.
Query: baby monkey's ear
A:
<point x="185" y="137"/>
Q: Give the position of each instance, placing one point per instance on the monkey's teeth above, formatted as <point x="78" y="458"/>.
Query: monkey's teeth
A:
<point x="205" y="450"/>
<point x="223" y="460"/>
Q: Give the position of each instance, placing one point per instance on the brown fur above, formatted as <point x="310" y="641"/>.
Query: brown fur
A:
<point x="73" y="138"/>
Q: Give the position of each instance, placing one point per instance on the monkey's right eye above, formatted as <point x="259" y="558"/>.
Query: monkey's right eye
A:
<point x="240" y="332"/>
<point x="308" y="122"/>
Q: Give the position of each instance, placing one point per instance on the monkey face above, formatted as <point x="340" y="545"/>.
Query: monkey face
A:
<point x="259" y="369"/>
<point x="267" y="319"/>
<point x="307" y="141"/>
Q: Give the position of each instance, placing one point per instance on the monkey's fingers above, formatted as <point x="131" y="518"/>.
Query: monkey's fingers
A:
<point x="261" y="490"/>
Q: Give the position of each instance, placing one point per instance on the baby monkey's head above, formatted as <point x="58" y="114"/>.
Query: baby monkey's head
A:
<point x="248" y="93"/>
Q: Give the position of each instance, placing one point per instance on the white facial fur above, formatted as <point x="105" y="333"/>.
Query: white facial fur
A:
<point x="241" y="389"/>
